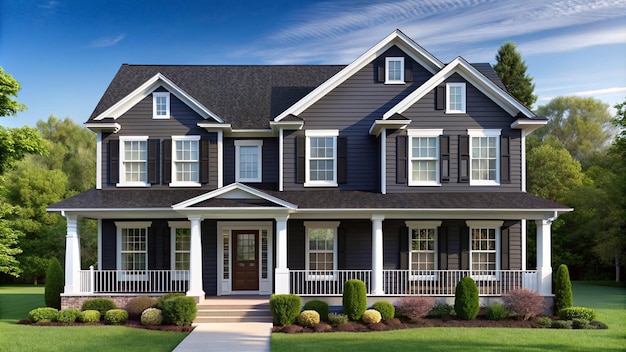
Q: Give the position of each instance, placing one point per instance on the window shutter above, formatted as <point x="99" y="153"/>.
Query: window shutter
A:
<point x="167" y="161"/>
<point x="408" y="70"/>
<point x="341" y="248"/>
<point x="381" y="70"/>
<point x="342" y="160"/>
<point x="300" y="159"/>
<point x="114" y="161"/>
<point x="403" y="235"/>
<point x="204" y="160"/>
<point x="401" y="159"/>
<point x="464" y="159"/>
<point x="465" y="246"/>
<point x="153" y="164"/>
<point x="442" y="246"/>
<point x="504" y="241"/>
<point x="444" y="149"/>
<point x="505" y="159"/>
<point x="440" y="98"/>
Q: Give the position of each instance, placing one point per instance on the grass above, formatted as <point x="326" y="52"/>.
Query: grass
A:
<point x="608" y="302"/>
<point x="15" y="303"/>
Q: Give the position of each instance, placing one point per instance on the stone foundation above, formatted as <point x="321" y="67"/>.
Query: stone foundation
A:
<point x="76" y="301"/>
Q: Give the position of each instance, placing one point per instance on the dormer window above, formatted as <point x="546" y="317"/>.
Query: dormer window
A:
<point x="455" y="94"/>
<point x="394" y="70"/>
<point x="161" y="105"/>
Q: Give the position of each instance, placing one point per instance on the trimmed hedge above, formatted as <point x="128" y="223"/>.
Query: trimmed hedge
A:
<point x="466" y="302"/>
<point x="165" y="297"/>
<point x="116" y="316"/>
<point x="68" y="315"/>
<point x="102" y="305"/>
<point x="43" y="315"/>
<point x="89" y="316"/>
<point x="320" y="307"/>
<point x="54" y="284"/>
<point x="386" y="309"/>
<point x="562" y="288"/>
<point x="354" y="299"/>
<point x="572" y="313"/>
<point x="180" y="310"/>
<point x="285" y="308"/>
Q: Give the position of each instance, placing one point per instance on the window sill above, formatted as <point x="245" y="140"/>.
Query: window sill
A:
<point x="185" y="184"/>
<point x="132" y="184"/>
<point x="484" y="183"/>
<point x="249" y="180"/>
<point x="167" y="117"/>
<point x="395" y="82"/>
<point x="424" y="184"/>
<point x="452" y="112"/>
<point x="320" y="184"/>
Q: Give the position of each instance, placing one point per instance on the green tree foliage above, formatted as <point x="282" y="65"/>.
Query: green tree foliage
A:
<point x="15" y="143"/>
<point x="562" y="288"/>
<point x="54" y="284"/>
<point x="512" y="72"/>
<point x="8" y="89"/>
<point x="9" y="238"/>
<point x="466" y="302"/>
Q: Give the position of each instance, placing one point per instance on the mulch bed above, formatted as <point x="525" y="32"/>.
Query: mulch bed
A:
<point x="130" y="324"/>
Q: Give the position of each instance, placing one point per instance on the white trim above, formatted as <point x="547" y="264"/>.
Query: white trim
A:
<point x="320" y="134"/>
<point x="463" y="108"/>
<point x="155" y="97"/>
<point x="98" y="160"/>
<point x="122" y="167"/>
<point x="175" y="225"/>
<point x="425" y="133"/>
<point x="326" y="225"/>
<point x="175" y="182"/>
<point x="249" y="143"/>
<point x="486" y="133"/>
<point x="379" y="125"/>
<point x="388" y="61"/>
<point x="486" y="225"/>
<point x="233" y="187"/>
<point x="220" y="159"/>
<point x="99" y="243"/>
<point x="121" y="225"/>
<point x="523" y="147"/>
<point x="383" y="161"/>
<point x="280" y="159"/>
<point x="423" y="225"/>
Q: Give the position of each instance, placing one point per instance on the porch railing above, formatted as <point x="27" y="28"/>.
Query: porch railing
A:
<point x="325" y="283"/>
<point x="133" y="281"/>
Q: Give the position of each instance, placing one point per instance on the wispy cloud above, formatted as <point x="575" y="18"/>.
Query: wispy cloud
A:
<point x="50" y="5"/>
<point x="107" y="41"/>
<point x="612" y="90"/>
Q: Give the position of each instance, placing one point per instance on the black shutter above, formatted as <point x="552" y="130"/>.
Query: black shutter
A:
<point x="505" y="259"/>
<point x="465" y="248"/>
<point x="153" y="164"/>
<point x="204" y="160"/>
<point x="403" y="237"/>
<point x="440" y="98"/>
<point x="300" y="159"/>
<point x="341" y="248"/>
<point x="114" y="161"/>
<point x="381" y="70"/>
<point x="401" y="159"/>
<point x="505" y="159"/>
<point x="444" y="149"/>
<point x="442" y="247"/>
<point x="408" y="71"/>
<point x="167" y="161"/>
<point x="464" y="159"/>
<point x="342" y="160"/>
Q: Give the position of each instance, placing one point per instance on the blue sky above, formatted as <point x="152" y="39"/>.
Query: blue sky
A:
<point x="65" y="53"/>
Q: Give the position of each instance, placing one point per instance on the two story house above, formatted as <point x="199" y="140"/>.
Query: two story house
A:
<point x="398" y="169"/>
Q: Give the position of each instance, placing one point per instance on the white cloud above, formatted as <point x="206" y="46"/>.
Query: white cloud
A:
<point x="108" y="41"/>
<point x="50" y="5"/>
<point x="602" y="91"/>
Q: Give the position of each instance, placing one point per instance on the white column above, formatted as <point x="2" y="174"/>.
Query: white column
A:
<point x="220" y="159"/>
<point x="72" y="255"/>
<point x="281" y="274"/>
<point x="195" y="258"/>
<point x="377" y="254"/>
<point x="544" y="257"/>
<point x="383" y="161"/>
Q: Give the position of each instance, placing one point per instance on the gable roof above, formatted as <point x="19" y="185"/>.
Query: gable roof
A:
<point x="234" y="194"/>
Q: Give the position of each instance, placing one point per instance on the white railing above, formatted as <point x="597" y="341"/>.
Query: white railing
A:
<point x="133" y="281"/>
<point x="325" y="283"/>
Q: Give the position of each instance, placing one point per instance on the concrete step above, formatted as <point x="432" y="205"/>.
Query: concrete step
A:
<point x="234" y="310"/>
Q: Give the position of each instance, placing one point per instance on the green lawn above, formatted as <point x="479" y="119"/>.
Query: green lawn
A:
<point x="17" y="301"/>
<point x="609" y="303"/>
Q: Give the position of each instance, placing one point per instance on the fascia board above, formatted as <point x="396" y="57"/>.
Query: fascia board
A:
<point x="233" y="187"/>
<point x="105" y="127"/>
<point x="378" y="125"/>
<point x="528" y="125"/>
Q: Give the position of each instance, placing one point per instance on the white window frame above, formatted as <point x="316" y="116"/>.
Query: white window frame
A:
<point x="388" y="62"/>
<point x="249" y="143"/>
<point x="325" y="225"/>
<point x="449" y="109"/>
<point x="122" y="162"/>
<point x="174" y="226"/>
<point x="175" y="182"/>
<point x="423" y="225"/>
<point x="155" y="97"/>
<point x="135" y="225"/>
<point x="425" y="133"/>
<point x="320" y="134"/>
<point x="485" y="225"/>
<point x="495" y="133"/>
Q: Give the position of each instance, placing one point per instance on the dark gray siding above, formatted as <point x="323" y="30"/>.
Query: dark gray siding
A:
<point x="209" y="257"/>
<point x="269" y="167"/>
<point x="109" y="245"/>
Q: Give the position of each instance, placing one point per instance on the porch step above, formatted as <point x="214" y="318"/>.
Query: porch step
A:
<point x="234" y="310"/>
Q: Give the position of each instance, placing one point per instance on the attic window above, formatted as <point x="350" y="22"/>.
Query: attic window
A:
<point x="455" y="98"/>
<point x="161" y="105"/>
<point x="394" y="70"/>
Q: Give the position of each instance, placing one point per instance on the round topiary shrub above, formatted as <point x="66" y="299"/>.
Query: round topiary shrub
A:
<point x="43" y="315"/>
<point x="89" y="316"/>
<point x="562" y="288"/>
<point x="319" y="306"/>
<point x="54" y="284"/>
<point x="308" y="318"/>
<point x="371" y="316"/>
<point x="151" y="317"/>
<point x="102" y="305"/>
<point x="165" y="297"/>
<point x="116" y="316"/>
<point x="497" y="312"/>
<point x="386" y="309"/>
<point x="354" y="299"/>
<point x="466" y="303"/>
<point x="285" y="308"/>
<point x="137" y="305"/>
<point x="180" y="311"/>
<point x="68" y="315"/>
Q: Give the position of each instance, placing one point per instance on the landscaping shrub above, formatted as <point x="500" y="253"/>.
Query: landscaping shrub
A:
<point x="584" y="324"/>
<point x="165" y="297"/>
<point x="151" y="317"/>
<point x="180" y="310"/>
<point x="285" y="308"/>
<point x="371" y="316"/>
<point x="525" y="303"/>
<point x="497" y="312"/>
<point x="415" y="308"/>
<point x="319" y="306"/>
<point x="562" y="324"/>
<point x="137" y="305"/>
<point x="89" y="316"/>
<point x="43" y="315"/>
<point x="442" y="309"/>
<point x="544" y="322"/>
<point x="354" y="299"/>
<point x="466" y="303"/>
<point x="116" y="316"/>
<point x="68" y="315"/>
<point x="598" y="325"/>
<point x="562" y="288"/>
<point x="102" y="305"/>
<point x="572" y="313"/>
<point x="54" y="284"/>
<point x="308" y="318"/>
<point x="337" y="318"/>
<point x="386" y="309"/>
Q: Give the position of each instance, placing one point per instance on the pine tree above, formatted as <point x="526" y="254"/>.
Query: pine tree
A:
<point x="512" y="72"/>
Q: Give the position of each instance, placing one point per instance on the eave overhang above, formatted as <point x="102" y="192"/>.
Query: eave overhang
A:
<point x="379" y="125"/>
<point x="528" y="125"/>
<point x="108" y="126"/>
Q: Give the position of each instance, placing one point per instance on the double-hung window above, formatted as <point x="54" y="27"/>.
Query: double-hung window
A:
<point x="180" y="244"/>
<point x="161" y="105"/>
<point x="456" y="99"/>
<point x="185" y="161"/>
<point x="321" y="158"/>
<point x="484" y="157"/>
<point x="248" y="160"/>
<point x="424" y="157"/>
<point x="132" y="249"/>
<point x="394" y="70"/>
<point x="423" y="249"/>
<point x="484" y="249"/>
<point x="321" y="249"/>
<point x="133" y="161"/>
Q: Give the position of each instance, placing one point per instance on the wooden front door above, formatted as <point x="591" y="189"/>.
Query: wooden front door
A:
<point x="245" y="260"/>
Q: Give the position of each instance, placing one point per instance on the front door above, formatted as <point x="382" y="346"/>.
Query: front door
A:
<point x="245" y="260"/>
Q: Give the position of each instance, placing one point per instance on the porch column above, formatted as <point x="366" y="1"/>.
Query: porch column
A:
<point x="72" y="255"/>
<point x="195" y="258"/>
<point x="377" y="255"/>
<point x="281" y="274"/>
<point x="544" y="257"/>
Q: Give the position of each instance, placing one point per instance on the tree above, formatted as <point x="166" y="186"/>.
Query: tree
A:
<point x="8" y="89"/>
<point x="15" y="143"/>
<point x="562" y="288"/>
<point x="512" y="72"/>
<point x="54" y="284"/>
<point x="9" y="238"/>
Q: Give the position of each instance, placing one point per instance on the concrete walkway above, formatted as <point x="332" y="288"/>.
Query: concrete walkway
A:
<point x="230" y="337"/>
